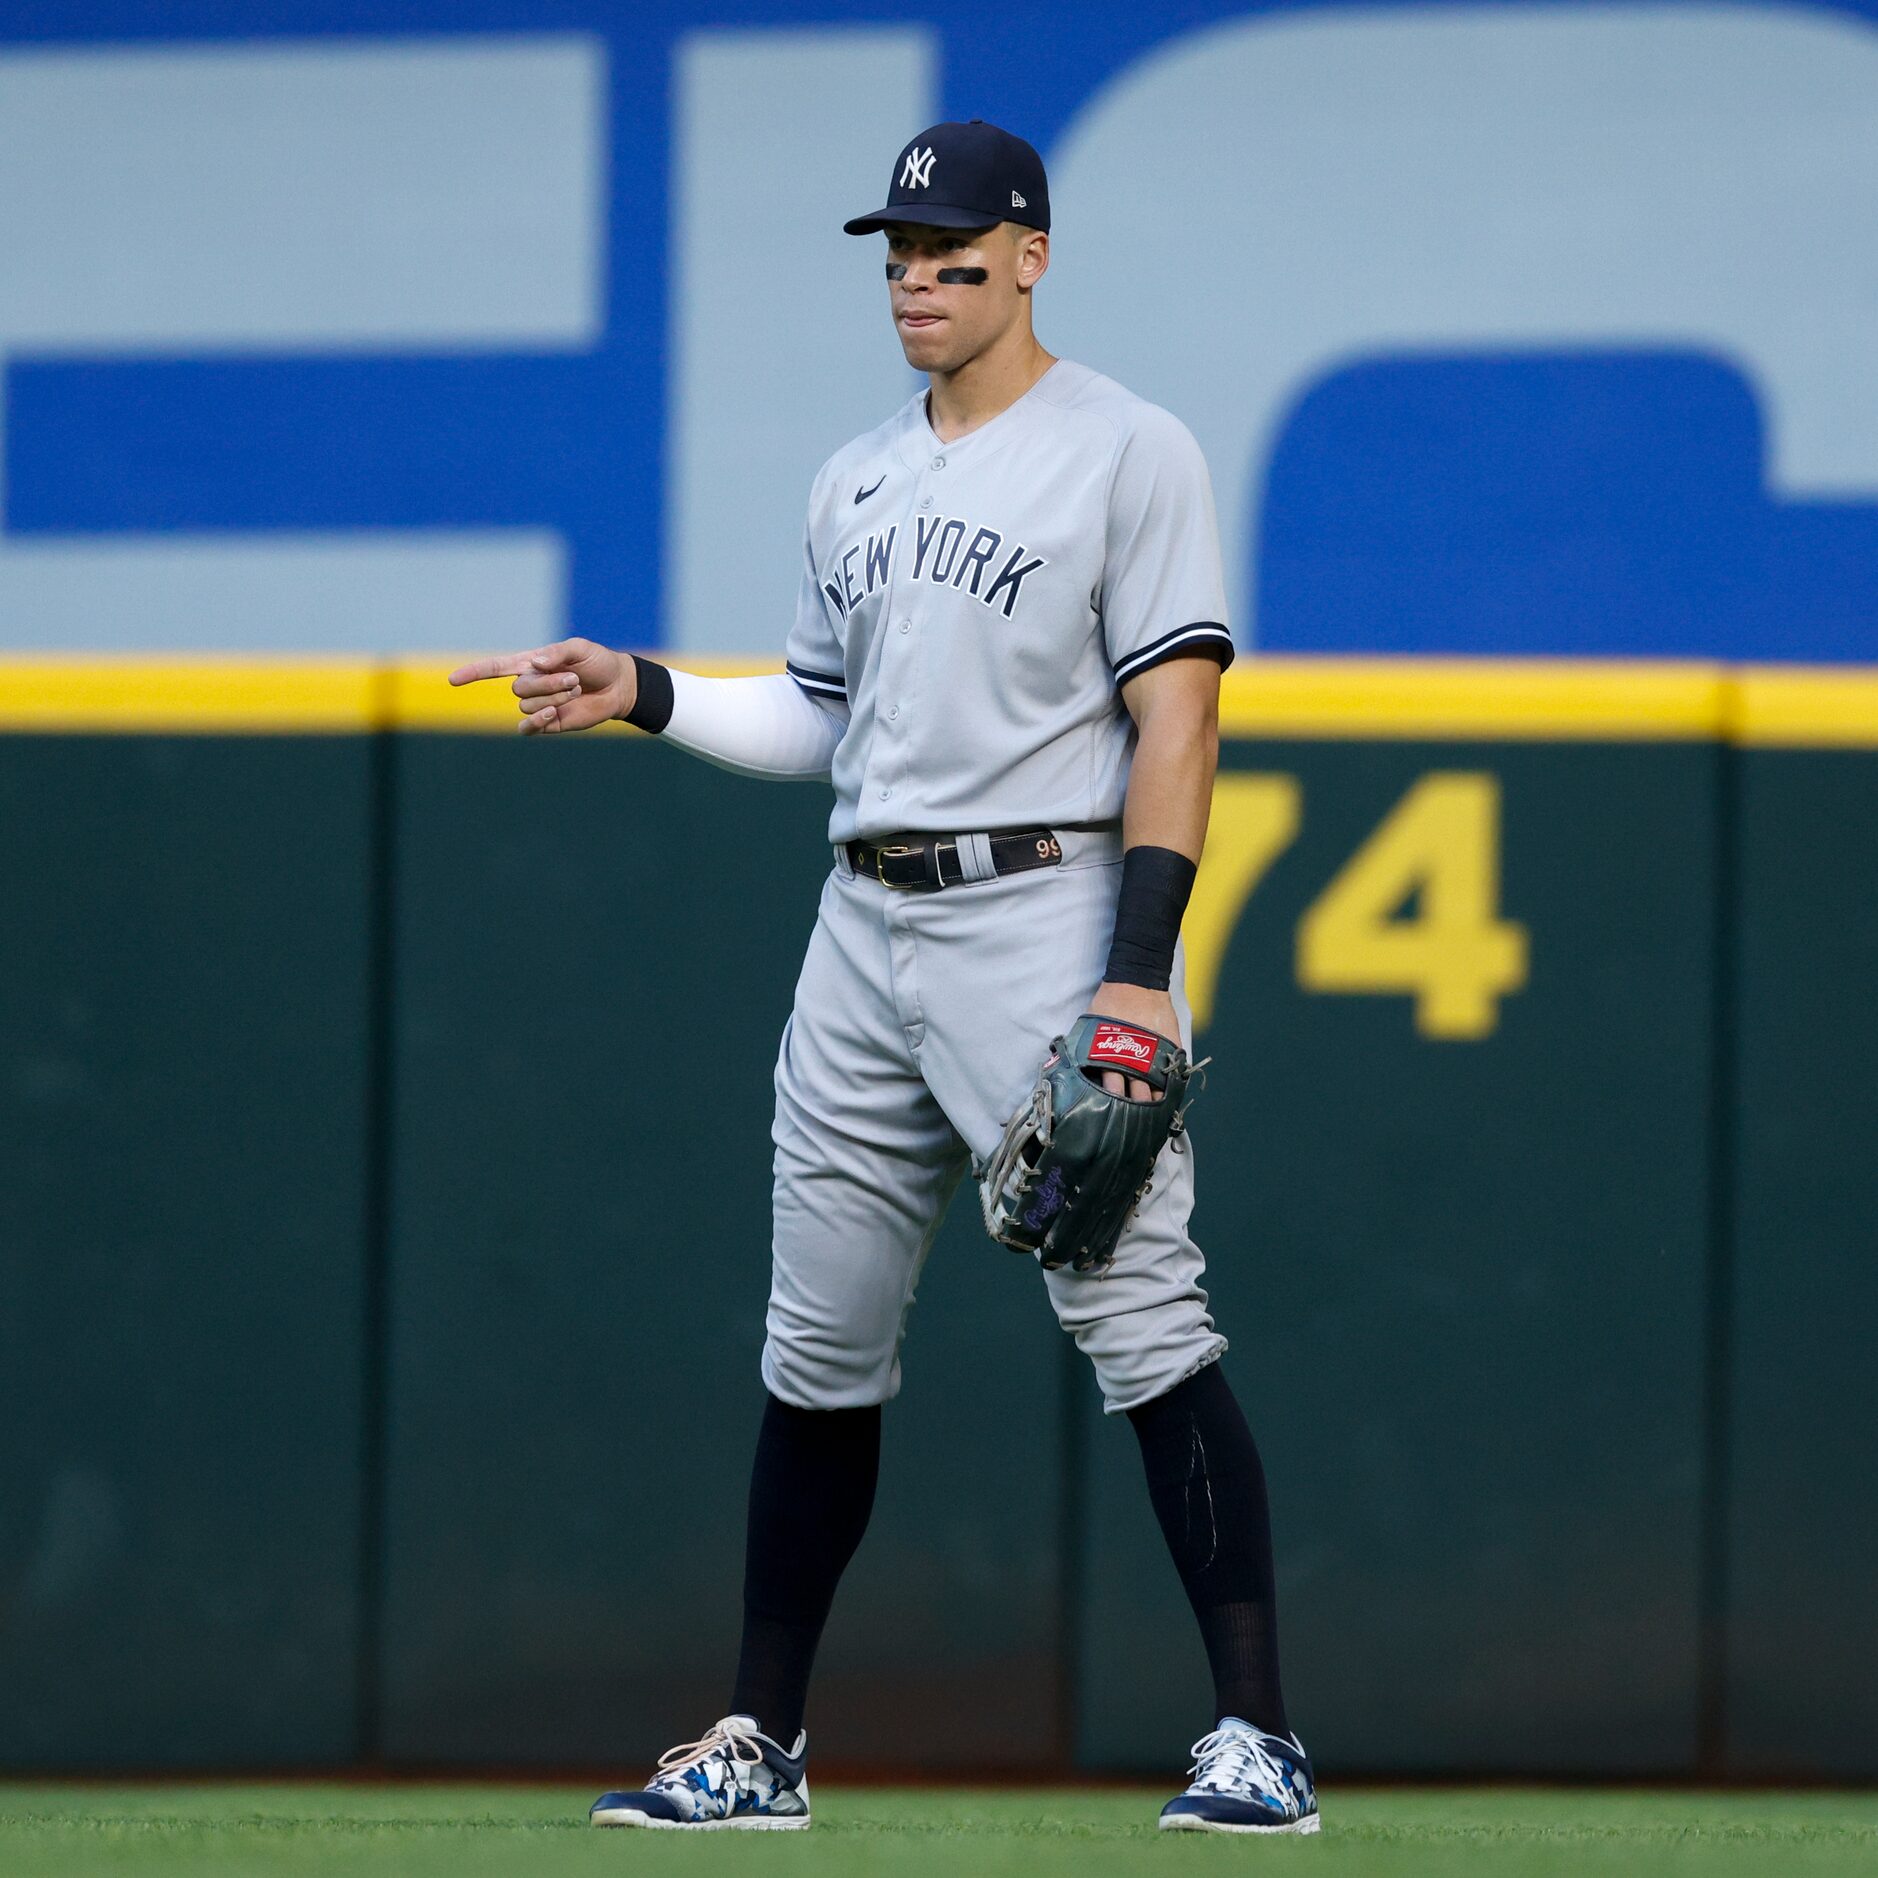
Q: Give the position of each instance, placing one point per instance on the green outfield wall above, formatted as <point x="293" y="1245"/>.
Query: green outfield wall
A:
<point x="1801" y="1407"/>
<point x="1466" y="1284"/>
<point x="186" y="966"/>
<point x="385" y="1142"/>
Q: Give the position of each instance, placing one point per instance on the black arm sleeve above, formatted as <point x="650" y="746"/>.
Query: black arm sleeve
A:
<point x="1156" y="883"/>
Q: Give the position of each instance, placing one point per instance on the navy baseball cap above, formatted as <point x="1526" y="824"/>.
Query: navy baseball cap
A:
<point x="963" y="176"/>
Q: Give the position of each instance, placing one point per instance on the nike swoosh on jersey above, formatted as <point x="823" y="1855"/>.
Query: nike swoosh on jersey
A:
<point x="861" y="495"/>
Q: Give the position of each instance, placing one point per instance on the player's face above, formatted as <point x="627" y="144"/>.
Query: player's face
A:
<point x="945" y="322"/>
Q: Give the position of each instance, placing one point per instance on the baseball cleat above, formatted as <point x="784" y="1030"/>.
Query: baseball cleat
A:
<point x="1245" y="1780"/>
<point x="735" y="1779"/>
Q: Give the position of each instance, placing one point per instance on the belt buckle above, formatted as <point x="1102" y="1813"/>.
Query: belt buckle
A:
<point x="897" y="850"/>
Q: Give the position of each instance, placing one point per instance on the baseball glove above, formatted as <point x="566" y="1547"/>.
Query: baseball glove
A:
<point x="1075" y="1160"/>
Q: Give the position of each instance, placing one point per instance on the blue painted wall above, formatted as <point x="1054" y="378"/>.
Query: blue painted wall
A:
<point x="1642" y="483"/>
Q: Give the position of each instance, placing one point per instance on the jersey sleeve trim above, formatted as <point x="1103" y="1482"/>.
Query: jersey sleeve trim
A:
<point x="822" y="684"/>
<point x="1205" y="635"/>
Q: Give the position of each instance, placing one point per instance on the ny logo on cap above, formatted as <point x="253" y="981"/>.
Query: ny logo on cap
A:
<point x="918" y="171"/>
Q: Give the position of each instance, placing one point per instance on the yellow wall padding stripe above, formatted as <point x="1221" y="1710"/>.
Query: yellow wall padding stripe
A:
<point x="95" y="692"/>
<point x="1805" y="707"/>
<point x="1458" y="698"/>
<point x="1492" y="700"/>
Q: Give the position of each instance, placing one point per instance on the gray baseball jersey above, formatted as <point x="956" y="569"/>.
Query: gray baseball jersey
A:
<point x="979" y="603"/>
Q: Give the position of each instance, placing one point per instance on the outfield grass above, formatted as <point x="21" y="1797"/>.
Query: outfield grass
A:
<point x="509" y="1832"/>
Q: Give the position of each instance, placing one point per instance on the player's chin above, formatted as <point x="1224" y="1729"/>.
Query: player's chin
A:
<point x="929" y="347"/>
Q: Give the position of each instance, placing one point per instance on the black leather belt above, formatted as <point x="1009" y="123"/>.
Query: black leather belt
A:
<point x="925" y="863"/>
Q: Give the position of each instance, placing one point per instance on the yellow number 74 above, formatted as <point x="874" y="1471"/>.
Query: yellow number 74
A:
<point x="1414" y="911"/>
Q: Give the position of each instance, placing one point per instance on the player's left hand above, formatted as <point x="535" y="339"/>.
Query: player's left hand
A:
<point x="1135" y="1004"/>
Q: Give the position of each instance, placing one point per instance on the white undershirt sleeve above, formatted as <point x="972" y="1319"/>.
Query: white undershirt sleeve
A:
<point x="765" y="725"/>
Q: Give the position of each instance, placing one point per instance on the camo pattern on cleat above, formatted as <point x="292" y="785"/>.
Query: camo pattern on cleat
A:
<point x="1245" y="1780"/>
<point x="734" y="1778"/>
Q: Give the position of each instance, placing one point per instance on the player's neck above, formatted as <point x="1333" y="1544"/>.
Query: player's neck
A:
<point x="982" y="387"/>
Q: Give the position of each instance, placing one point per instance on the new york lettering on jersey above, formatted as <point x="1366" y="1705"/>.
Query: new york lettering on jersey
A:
<point x="937" y="558"/>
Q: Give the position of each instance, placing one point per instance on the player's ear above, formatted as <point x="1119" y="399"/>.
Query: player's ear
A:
<point x="1033" y="255"/>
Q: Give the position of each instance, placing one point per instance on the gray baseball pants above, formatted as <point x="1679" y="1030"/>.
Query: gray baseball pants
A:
<point x="920" y="1023"/>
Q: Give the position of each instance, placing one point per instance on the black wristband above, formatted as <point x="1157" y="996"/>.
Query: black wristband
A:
<point x="652" y="708"/>
<point x="1155" y="886"/>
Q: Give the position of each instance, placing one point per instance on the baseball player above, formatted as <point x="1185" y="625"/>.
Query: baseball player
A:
<point x="1006" y="655"/>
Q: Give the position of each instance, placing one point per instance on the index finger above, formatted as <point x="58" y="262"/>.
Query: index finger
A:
<point x="508" y="665"/>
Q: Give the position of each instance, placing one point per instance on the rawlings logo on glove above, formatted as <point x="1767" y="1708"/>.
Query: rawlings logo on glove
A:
<point x="1075" y="1160"/>
<point x="1122" y="1044"/>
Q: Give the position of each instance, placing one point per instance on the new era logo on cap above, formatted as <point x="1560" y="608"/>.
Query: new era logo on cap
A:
<point x="963" y="176"/>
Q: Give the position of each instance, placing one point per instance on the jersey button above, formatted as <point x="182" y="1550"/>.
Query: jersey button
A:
<point x="906" y="625"/>
<point x="885" y="793"/>
<point x="895" y="712"/>
<point x="938" y="462"/>
<point x="925" y="502"/>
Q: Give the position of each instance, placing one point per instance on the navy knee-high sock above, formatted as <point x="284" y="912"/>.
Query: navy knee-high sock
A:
<point x="1208" y="1489"/>
<point x="811" y="1491"/>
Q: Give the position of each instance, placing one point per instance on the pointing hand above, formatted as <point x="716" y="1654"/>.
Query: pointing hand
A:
<point x="572" y="685"/>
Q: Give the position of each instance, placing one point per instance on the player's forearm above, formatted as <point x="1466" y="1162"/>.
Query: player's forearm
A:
<point x="765" y="725"/>
<point x="1170" y="785"/>
<point x="1170" y="789"/>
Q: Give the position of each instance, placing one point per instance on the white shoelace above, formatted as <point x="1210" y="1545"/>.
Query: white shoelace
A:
<point x="732" y="1740"/>
<point x="1235" y="1755"/>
